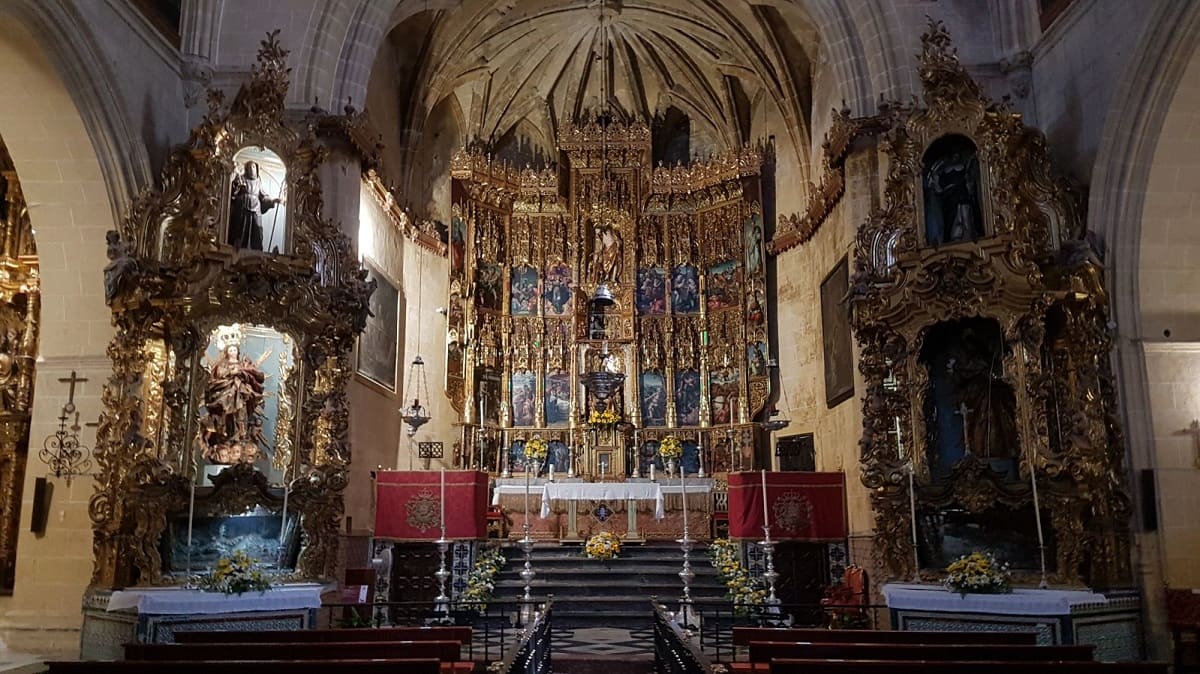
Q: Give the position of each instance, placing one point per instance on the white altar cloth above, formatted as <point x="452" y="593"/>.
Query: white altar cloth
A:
<point x="603" y="491"/>
<point x="1021" y="601"/>
<point x="180" y="601"/>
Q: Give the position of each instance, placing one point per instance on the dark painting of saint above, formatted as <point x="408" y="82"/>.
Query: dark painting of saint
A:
<point x="756" y="359"/>
<point x="557" y="293"/>
<point x="558" y="399"/>
<point x="690" y="461"/>
<point x="654" y="399"/>
<point x="489" y="286"/>
<point x="755" y="306"/>
<point x="648" y="456"/>
<point x="723" y="387"/>
<point x="724" y="286"/>
<point x="687" y="397"/>
<point x="754" y="244"/>
<point x="458" y="244"/>
<point x="652" y="291"/>
<point x="685" y="290"/>
<point x="524" y="291"/>
<point x="950" y="178"/>
<point x="559" y="456"/>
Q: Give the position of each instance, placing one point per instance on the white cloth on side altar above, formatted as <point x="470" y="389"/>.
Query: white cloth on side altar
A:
<point x="177" y="600"/>
<point x="603" y="491"/>
<point x="1022" y="601"/>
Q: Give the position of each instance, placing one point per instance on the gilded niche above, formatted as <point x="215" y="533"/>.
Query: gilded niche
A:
<point x="676" y="258"/>
<point x="982" y="320"/>
<point x="236" y="305"/>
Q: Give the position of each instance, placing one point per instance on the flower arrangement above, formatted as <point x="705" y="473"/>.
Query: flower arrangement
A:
<point x="603" y="545"/>
<point x="605" y="418"/>
<point x="481" y="581"/>
<point x="536" y="448"/>
<point x="236" y="574"/>
<point x="746" y="591"/>
<point x="670" y="448"/>
<point x="977" y="573"/>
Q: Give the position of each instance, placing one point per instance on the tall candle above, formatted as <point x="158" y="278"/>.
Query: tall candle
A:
<point x="527" y="497"/>
<point x="766" y="522"/>
<point x="651" y="472"/>
<point x="551" y="472"/>
<point x="443" y="503"/>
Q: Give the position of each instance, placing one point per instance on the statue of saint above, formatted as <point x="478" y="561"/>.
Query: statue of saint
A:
<point x="952" y="194"/>
<point x="232" y="431"/>
<point x="247" y="204"/>
<point x="607" y="252"/>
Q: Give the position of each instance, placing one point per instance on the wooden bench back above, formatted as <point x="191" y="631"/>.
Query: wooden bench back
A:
<point x="460" y="634"/>
<point x="793" y="666"/>
<point x="742" y="636"/>
<point x="445" y="651"/>
<point x="765" y="651"/>
<point x="405" y="665"/>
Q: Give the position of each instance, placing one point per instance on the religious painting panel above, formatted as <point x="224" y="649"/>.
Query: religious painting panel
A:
<point x="524" y="291"/>
<point x="257" y="207"/>
<point x="487" y="383"/>
<point x="248" y="408"/>
<point x="489" y="286"/>
<point x="754" y="245"/>
<point x="951" y="191"/>
<point x="690" y="461"/>
<point x="654" y="399"/>
<point x="558" y="399"/>
<point x="652" y="291"/>
<point x="724" y="287"/>
<point x="835" y="335"/>
<point x="454" y="355"/>
<point x="458" y="244"/>
<point x="557" y="293"/>
<point x="524" y="398"/>
<point x="756" y="303"/>
<point x="723" y="389"/>
<point x="378" y="345"/>
<point x="648" y="456"/>
<point x="685" y="290"/>
<point x="191" y="545"/>
<point x="687" y="397"/>
<point x="945" y="534"/>
<point x="558" y="454"/>
<point x="757" y="356"/>
<point x="516" y="456"/>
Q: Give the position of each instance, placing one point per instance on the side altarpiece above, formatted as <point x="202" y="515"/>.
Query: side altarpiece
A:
<point x="980" y="310"/>
<point x="236" y="306"/>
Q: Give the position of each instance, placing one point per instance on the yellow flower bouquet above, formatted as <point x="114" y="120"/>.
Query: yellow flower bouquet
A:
<point x="605" y="418"/>
<point x="745" y="591"/>
<point x="670" y="448"/>
<point x="536" y="448"/>
<point x="236" y="574"/>
<point x="977" y="573"/>
<point x="603" y="545"/>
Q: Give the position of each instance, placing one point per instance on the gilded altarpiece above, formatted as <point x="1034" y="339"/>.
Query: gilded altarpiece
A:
<point x="680" y="251"/>
<point x="20" y="306"/>
<point x="980" y="311"/>
<point x="236" y="306"/>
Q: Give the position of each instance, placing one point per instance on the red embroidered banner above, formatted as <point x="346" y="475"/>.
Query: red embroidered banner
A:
<point x="408" y="505"/>
<point x="801" y="506"/>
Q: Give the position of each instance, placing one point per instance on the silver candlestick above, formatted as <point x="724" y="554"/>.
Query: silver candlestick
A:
<point x="442" y="602"/>
<point x="771" y="575"/>
<point x="685" y="574"/>
<point x="527" y="574"/>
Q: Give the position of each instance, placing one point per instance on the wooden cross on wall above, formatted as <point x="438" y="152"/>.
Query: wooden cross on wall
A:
<point x="73" y="380"/>
<point x="1193" y="430"/>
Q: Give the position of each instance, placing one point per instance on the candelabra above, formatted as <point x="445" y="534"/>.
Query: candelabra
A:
<point x="771" y="575"/>
<point x="527" y="573"/>
<point x="442" y="602"/>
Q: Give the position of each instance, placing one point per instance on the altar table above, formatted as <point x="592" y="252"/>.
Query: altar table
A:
<point x="1107" y="621"/>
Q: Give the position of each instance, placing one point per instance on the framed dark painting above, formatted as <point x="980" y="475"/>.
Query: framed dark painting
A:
<point x="378" y="346"/>
<point x="835" y="335"/>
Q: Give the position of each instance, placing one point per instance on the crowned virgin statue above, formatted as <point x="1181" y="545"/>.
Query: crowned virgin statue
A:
<point x="233" y="425"/>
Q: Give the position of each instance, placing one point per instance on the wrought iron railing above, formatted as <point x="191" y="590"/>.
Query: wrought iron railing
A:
<point x="717" y="618"/>
<point x="496" y="625"/>
<point x="531" y="653"/>
<point x="675" y="650"/>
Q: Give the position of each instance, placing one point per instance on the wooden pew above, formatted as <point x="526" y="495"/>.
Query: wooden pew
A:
<point x="766" y="651"/>
<point x="445" y="651"/>
<point x="742" y="636"/>
<point x="394" y="666"/>
<point x="794" y="666"/>
<point x="460" y="634"/>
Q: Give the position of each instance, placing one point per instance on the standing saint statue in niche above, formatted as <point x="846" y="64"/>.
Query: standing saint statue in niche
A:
<point x="606" y="253"/>
<point x="951" y="190"/>
<point x="248" y="203"/>
<point x="233" y="424"/>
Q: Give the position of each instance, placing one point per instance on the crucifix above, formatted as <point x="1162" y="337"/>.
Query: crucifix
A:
<point x="73" y="380"/>
<point x="1193" y="430"/>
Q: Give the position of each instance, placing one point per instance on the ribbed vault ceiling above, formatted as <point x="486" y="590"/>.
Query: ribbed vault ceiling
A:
<point x="534" y="64"/>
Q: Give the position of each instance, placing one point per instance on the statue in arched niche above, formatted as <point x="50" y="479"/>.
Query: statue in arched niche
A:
<point x="233" y="400"/>
<point x="248" y="202"/>
<point x="950" y="180"/>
